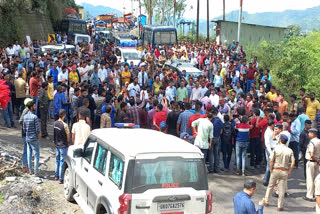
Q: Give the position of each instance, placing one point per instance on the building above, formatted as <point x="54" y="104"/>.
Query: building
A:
<point x="226" y="31"/>
<point x="81" y="12"/>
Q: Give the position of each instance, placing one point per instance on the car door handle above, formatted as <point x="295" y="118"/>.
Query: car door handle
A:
<point x="86" y="169"/>
<point x="142" y="207"/>
<point x="99" y="182"/>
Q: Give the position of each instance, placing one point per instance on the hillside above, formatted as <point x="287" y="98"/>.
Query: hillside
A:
<point x="94" y="11"/>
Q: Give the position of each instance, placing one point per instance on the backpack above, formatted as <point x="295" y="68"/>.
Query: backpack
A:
<point x="228" y="132"/>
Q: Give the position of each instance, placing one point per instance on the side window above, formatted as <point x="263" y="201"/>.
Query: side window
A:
<point x="88" y="149"/>
<point x="100" y="161"/>
<point x="116" y="169"/>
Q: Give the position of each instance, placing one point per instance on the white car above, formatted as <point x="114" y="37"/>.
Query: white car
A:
<point x="136" y="171"/>
<point x="131" y="54"/>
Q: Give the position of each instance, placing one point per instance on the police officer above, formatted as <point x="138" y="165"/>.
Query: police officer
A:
<point x="276" y="133"/>
<point x="313" y="158"/>
<point x="281" y="165"/>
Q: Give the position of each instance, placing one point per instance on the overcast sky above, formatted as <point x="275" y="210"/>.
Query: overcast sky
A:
<point x="251" y="6"/>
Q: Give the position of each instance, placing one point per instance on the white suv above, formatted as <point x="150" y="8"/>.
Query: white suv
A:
<point x="137" y="171"/>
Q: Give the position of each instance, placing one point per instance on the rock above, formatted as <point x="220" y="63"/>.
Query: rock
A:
<point x="11" y="198"/>
<point x="4" y="154"/>
<point x="38" y="180"/>
<point x="11" y="178"/>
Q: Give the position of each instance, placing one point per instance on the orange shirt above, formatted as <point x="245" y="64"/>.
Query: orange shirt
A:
<point x="34" y="87"/>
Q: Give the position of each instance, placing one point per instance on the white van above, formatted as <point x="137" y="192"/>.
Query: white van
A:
<point x="136" y="171"/>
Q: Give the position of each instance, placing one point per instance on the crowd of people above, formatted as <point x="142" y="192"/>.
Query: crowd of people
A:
<point x="232" y="106"/>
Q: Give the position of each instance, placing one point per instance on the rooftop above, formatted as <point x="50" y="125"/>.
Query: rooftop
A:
<point x="131" y="142"/>
<point x="220" y="20"/>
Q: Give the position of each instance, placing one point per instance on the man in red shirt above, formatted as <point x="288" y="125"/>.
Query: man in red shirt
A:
<point x="262" y="124"/>
<point x="34" y="89"/>
<point x="255" y="143"/>
<point x="251" y="76"/>
<point x="161" y="114"/>
<point x="194" y="117"/>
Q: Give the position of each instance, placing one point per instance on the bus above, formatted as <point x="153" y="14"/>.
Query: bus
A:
<point x="154" y="35"/>
<point x="73" y="26"/>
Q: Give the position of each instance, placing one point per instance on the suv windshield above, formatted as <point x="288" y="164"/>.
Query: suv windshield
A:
<point x="172" y="172"/>
<point x="130" y="55"/>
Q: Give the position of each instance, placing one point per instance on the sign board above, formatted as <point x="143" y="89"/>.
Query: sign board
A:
<point x="51" y="38"/>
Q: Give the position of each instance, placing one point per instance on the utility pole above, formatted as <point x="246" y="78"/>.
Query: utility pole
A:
<point x="208" y="22"/>
<point x="198" y="8"/>
<point x="174" y="13"/>
<point x="139" y="18"/>
<point x="239" y="21"/>
<point x="224" y="10"/>
<point x="150" y="12"/>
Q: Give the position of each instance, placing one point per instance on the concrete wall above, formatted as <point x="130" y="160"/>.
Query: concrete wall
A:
<point x="250" y="34"/>
<point x="37" y="26"/>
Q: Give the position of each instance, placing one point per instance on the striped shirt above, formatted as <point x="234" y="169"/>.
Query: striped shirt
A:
<point x="31" y="126"/>
<point x="243" y="132"/>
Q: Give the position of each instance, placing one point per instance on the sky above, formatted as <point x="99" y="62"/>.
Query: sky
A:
<point x="251" y="6"/>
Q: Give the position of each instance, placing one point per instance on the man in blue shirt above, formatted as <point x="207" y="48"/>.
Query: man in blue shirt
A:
<point x="214" y="150"/>
<point x="242" y="201"/>
<point x="54" y="72"/>
<point x="113" y="111"/>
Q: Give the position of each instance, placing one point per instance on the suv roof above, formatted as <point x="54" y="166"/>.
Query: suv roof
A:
<point x="131" y="142"/>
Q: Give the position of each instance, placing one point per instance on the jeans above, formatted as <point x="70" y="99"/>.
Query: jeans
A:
<point x="295" y="148"/>
<point x="249" y="84"/>
<point x="241" y="149"/>
<point x="255" y="151"/>
<point x="33" y="148"/>
<point x="24" y="154"/>
<point x="35" y="99"/>
<point x="213" y="154"/>
<point x="226" y="154"/>
<point x="61" y="153"/>
<point x="6" y="112"/>
<point x="19" y="106"/>
<point x="267" y="173"/>
<point x="50" y="108"/>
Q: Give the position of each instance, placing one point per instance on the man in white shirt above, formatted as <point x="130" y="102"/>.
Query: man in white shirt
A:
<point x="134" y="88"/>
<point x="63" y="76"/>
<point x="16" y="48"/>
<point x="83" y="70"/>
<point x="171" y="92"/>
<point x="10" y="51"/>
<point x="196" y="93"/>
<point x="214" y="98"/>
<point x="80" y="130"/>
<point x="102" y="73"/>
<point x="270" y="144"/>
<point x="143" y="77"/>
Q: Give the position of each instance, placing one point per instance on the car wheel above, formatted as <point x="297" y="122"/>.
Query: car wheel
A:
<point x="103" y="210"/>
<point x="67" y="185"/>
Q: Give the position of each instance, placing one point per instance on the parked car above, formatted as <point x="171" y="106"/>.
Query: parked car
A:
<point x="136" y="171"/>
<point x="180" y="65"/>
<point x="59" y="48"/>
<point x="131" y="54"/>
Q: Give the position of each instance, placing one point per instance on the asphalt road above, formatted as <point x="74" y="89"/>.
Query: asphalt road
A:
<point x="223" y="185"/>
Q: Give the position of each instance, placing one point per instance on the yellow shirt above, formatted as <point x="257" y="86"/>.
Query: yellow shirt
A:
<point x="271" y="96"/>
<point x="223" y="73"/>
<point x="156" y="87"/>
<point x="125" y="73"/>
<point x="73" y="77"/>
<point x="50" y="91"/>
<point x="312" y="108"/>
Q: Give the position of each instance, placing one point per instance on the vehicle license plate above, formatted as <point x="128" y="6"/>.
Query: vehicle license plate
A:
<point x="171" y="206"/>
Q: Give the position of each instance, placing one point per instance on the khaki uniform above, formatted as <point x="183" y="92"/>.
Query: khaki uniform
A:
<point x="282" y="157"/>
<point x="150" y="60"/>
<point x="312" y="169"/>
<point x="317" y="191"/>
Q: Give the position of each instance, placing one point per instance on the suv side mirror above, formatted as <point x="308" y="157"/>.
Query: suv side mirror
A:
<point x="78" y="153"/>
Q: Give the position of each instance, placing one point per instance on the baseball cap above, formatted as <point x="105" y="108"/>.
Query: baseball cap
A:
<point x="185" y="135"/>
<point x="163" y="125"/>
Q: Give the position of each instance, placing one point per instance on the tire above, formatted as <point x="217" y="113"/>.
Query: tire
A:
<point x="68" y="188"/>
<point x="103" y="210"/>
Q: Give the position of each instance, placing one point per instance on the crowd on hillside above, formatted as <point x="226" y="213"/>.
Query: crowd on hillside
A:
<point x="232" y="106"/>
